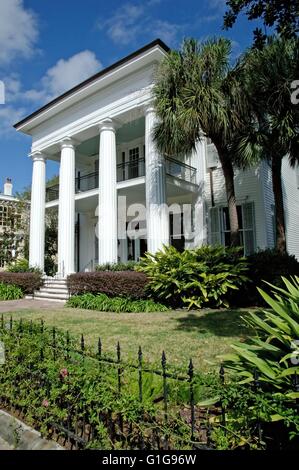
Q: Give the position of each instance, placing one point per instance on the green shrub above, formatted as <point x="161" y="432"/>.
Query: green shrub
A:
<point x="129" y="266"/>
<point x="126" y="284"/>
<point x="266" y="265"/>
<point x="274" y="352"/>
<point x="27" y="282"/>
<point x="10" y="292"/>
<point x="104" y="303"/>
<point x="21" y="266"/>
<point x="197" y="278"/>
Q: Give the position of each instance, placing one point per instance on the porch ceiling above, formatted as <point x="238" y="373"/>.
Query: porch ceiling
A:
<point x="127" y="132"/>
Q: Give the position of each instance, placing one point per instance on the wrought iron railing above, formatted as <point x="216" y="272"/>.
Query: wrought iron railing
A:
<point x="127" y="171"/>
<point x="87" y="182"/>
<point x="82" y="183"/>
<point x="130" y="170"/>
<point x="52" y="193"/>
<point x="180" y="170"/>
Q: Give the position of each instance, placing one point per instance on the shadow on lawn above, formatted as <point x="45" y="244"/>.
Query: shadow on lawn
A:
<point x="218" y="323"/>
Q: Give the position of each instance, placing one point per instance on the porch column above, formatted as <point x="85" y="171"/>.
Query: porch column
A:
<point x="157" y="217"/>
<point x="66" y="209"/>
<point x="37" y="212"/>
<point x="107" y="225"/>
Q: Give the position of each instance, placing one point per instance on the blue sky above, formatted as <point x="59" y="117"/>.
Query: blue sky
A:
<point x="48" y="46"/>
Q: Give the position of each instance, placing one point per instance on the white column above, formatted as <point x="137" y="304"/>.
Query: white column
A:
<point x="107" y="225"/>
<point x="66" y="210"/>
<point x="123" y="250"/>
<point x="37" y="212"/>
<point x="137" y="249"/>
<point x="157" y="216"/>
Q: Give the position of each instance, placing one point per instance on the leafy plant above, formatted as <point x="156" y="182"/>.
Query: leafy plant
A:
<point x="22" y="266"/>
<point x="103" y="303"/>
<point x="197" y="278"/>
<point x="273" y="353"/>
<point x="10" y="292"/>
<point x="128" y="266"/>
<point x="266" y="265"/>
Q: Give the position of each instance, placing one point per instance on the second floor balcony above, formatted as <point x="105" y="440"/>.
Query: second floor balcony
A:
<point x="124" y="172"/>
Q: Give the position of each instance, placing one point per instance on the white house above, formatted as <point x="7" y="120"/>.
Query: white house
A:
<point x="101" y="134"/>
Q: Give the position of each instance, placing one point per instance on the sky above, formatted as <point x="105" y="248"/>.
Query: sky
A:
<point x="48" y="46"/>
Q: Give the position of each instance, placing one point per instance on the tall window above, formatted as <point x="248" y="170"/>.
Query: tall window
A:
<point x="220" y="226"/>
<point x="133" y="159"/>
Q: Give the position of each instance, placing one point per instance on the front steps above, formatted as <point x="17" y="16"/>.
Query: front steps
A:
<point x="53" y="289"/>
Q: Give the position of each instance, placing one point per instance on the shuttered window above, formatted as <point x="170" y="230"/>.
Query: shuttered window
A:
<point x="220" y="226"/>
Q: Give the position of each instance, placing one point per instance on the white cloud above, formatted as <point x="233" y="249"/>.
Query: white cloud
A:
<point x="124" y="25"/>
<point x="8" y="117"/>
<point x="18" y="30"/>
<point x="166" y="31"/>
<point x="65" y="74"/>
<point x="132" y="20"/>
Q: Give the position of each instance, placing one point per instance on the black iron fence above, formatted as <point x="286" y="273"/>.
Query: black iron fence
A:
<point x="170" y="422"/>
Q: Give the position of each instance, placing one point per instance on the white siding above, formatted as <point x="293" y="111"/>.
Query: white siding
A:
<point x="249" y="188"/>
<point x="269" y="208"/>
<point x="291" y="205"/>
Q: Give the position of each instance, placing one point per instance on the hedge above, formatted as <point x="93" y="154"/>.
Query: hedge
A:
<point x="265" y="265"/>
<point x="27" y="282"/>
<point x="114" y="284"/>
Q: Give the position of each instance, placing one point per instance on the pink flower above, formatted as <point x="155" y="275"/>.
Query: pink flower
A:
<point x="64" y="373"/>
<point x="45" y="403"/>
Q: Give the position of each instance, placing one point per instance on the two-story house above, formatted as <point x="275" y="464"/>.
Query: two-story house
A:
<point x="100" y="132"/>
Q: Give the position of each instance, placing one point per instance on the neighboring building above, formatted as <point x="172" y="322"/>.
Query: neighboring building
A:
<point x="13" y="219"/>
<point x="101" y="134"/>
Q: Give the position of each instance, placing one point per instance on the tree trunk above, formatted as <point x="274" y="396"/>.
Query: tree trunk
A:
<point x="279" y="208"/>
<point x="228" y="173"/>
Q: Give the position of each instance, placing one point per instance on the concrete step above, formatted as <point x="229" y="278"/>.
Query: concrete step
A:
<point x="55" y="285"/>
<point x="57" y="290"/>
<point x="51" y="295"/>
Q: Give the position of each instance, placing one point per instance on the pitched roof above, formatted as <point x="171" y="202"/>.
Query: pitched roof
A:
<point x="93" y="78"/>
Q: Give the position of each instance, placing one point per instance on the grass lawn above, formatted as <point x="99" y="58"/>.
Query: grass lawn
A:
<point x="200" y="335"/>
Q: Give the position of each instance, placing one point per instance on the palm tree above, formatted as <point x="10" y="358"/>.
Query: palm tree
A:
<point x="269" y="74"/>
<point x="197" y="93"/>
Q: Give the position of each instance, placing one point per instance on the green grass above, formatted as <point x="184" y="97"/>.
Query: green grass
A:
<point x="201" y="335"/>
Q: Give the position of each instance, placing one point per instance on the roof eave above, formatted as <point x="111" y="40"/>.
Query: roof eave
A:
<point x="90" y="80"/>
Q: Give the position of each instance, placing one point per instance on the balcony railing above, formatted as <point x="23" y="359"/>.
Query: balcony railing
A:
<point x="126" y="171"/>
<point x="180" y="170"/>
<point x="129" y="170"/>
<point x="52" y="193"/>
<point x="87" y="182"/>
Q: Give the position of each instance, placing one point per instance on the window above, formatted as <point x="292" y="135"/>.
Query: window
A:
<point x="133" y="165"/>
<point x="220" y="226"/>
<point x="9" y="217"/>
